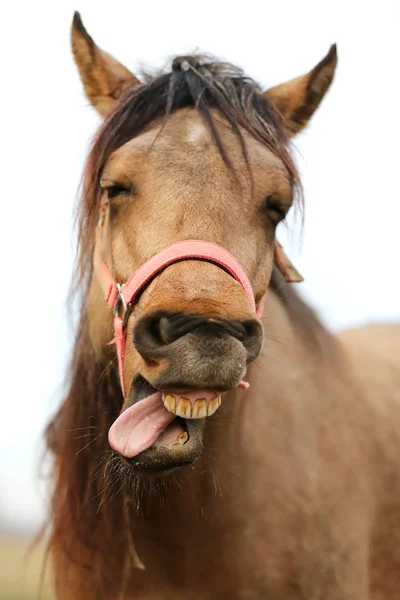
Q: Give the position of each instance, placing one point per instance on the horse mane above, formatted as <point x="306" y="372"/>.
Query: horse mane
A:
<point x="88" y="507"/>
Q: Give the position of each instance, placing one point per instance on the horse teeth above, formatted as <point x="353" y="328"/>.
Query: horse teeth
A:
<point x="184" y="408"/>
<point x="169" y="403"/>
<point x="182" y="439"/>
<point x="199" y="410"/>
<point x="213" y="405"/>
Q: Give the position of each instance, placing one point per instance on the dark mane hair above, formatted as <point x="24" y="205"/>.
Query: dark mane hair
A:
<point x="84" y="517"/>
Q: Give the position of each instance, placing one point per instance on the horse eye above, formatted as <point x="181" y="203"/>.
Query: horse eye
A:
<point x="116" y="190"/>
<point x="276" y="211"/>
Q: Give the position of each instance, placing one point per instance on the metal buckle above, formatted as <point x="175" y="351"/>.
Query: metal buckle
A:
<point x="120" y="302"/>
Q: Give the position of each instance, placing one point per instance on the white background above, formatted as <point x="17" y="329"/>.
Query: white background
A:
<point x="348" y="158"/>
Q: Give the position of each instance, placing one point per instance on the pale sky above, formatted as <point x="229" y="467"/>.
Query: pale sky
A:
<point x="348" y="158"/>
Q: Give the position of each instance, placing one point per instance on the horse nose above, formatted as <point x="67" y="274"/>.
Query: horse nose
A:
<point x="154" y="333"/>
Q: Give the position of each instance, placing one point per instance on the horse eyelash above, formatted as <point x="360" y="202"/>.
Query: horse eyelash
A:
<point x="271" y="204"/>
<point x="116" y="190"/>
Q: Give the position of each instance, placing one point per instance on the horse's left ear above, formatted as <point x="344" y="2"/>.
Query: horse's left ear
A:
<point x="103" y="77"/>
<point x="289" y="272"/>
<point x="297" y="99"/>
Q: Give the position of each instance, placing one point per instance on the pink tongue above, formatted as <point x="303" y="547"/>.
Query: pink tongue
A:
<point x="138" y="427"/>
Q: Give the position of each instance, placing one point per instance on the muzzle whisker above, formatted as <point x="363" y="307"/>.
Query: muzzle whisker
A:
<point x="111" y="363"/>
<point x="91" y="442"/>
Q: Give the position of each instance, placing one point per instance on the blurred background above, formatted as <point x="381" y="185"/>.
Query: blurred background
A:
<point x="348" y="157"/>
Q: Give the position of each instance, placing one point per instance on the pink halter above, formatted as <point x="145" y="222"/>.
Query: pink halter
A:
<point x="121" y="297"/>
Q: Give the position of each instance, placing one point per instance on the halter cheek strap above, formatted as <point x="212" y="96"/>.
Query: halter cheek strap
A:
<point x="121" y="297"/>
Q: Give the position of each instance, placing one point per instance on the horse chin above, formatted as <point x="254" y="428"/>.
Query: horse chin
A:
<point x="160" y="459"/>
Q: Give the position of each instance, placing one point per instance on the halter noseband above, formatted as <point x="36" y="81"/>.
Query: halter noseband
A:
<point x="121" y="297"/>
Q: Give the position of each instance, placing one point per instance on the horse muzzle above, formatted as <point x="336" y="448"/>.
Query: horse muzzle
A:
<point x="188" y="358"/>
<point x="191" y="351"/>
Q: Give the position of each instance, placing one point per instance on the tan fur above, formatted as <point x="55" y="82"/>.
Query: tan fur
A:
<point x="297" y="493"/>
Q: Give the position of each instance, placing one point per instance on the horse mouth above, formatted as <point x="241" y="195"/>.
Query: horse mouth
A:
<point x="161" y="430"/>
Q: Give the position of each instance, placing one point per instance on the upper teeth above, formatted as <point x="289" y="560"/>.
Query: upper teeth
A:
<point x="184" y="407"/>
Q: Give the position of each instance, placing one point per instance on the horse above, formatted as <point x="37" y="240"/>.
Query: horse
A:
<point x="215" y="440"/>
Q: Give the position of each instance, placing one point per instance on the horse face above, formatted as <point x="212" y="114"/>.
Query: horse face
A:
<point x="192" y="332"/>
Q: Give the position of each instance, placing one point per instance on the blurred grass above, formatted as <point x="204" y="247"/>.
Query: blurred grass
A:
<point x="20" y="570"/>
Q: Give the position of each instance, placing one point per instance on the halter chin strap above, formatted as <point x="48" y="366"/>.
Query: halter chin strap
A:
<point x="121" y="297"/>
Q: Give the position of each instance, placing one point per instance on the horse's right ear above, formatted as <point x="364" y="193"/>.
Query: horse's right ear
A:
<point x="103" y="77"/>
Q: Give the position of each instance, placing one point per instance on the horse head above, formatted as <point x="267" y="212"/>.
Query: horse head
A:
<point x="200" y="153"/>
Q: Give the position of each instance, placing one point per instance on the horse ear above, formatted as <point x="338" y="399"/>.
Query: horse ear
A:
<point x="103" y="77"/>
<point x="297" y="99"/>
<point x="289" y="272"/>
